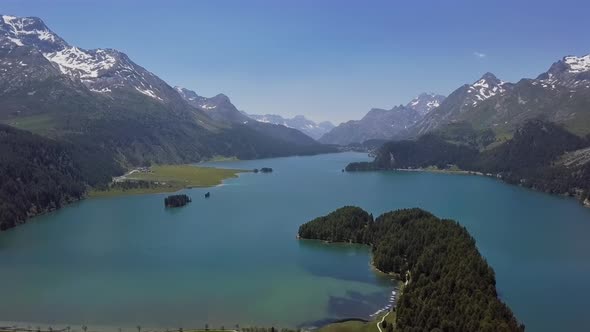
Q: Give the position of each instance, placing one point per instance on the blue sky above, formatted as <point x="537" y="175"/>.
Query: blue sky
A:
<point x="328" y="60"/>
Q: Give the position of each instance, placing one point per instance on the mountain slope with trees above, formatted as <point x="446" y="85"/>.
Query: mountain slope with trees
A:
<point x="64" y="92"/>
<point x="533" y="157"/>
<point x="96" y="112"/>
<point x="38" y="175"/>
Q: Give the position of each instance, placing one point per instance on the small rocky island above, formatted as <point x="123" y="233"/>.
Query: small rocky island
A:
<point x="176" y="201"/>
<point x="263" y="170"/>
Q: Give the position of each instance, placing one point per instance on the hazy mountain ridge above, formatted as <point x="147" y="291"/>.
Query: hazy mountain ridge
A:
<point x="299" y="122"/>
<point x="221" y="109"/>
<point x="383" y="124"/>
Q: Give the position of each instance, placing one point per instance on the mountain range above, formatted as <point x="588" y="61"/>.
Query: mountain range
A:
<point x="299" y="122"/>
<point x="101" y="97"/>
<point x="383" y="124"/>
<point x="560" y="95"/>
<point x="221" y="109"/>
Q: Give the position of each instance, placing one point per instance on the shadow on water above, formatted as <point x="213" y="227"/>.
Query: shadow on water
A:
<point x="354" y="306"/>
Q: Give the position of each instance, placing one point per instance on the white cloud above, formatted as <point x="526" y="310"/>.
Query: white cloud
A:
<point x="479" y="54"/>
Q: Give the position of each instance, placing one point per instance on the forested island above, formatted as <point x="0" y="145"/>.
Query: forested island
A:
<point x="176" y="201"/>
<point x="541" y="155"/>
<point x="448" y="284"/>
<point x="263" y="170"/>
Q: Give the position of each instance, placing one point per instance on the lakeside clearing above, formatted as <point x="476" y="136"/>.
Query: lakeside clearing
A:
<point x="166" y="178"/>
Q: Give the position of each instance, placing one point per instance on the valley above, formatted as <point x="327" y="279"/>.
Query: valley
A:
<point x="162" y="167"/>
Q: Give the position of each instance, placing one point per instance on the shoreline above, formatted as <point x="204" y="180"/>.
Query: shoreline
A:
<point x="442" y="171"/>
<point x="585" y="203"/>
<point x="92" y="194"/>
<point x="169" y="179"/>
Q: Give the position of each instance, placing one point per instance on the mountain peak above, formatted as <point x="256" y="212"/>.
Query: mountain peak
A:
<point x="220" y="98"/>
<point x="490" y="78"/>
<point x="100" y="70"/>
<point x="486" y="87"/>
<point x="32" y="31"/>
<point x="571" y="71"/>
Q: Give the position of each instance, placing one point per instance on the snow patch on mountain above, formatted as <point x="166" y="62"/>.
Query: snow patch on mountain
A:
<point x="148" y="92"/>
<point x="425" y="103"/>
<point x="100" y="70"/>
<point x="570" y="72"/>
<point x="25" y="27"/>
<point x="486" y="87"/>
<point x="82" y="64"/>
<point x="103" y="90"/>
<point x="17" y="41"/>
<point x="578" y="64"/>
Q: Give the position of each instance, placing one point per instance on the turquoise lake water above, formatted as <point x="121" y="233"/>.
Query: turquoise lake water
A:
<point x="234" y="259"/>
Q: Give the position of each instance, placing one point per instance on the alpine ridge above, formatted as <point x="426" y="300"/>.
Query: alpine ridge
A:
<point x="561" y="95"/>
<point x="101" y="96"/>
<point x="384" y="124"/>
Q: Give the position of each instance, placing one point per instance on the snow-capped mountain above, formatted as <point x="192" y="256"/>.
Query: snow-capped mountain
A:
<point x="22" y="31"/>
<point x="570" y="72"/>
<point x="425" y="102"/>
<point x="102" y="70"/>
<point x="461" y="101"/>
<point x="101" y="98"/>
<point x="486" y="87"/>
<point x="299" y="122"/>
<point x="562" y="95"/>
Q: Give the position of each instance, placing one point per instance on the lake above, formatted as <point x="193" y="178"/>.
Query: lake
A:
<point x="234" y="258"/>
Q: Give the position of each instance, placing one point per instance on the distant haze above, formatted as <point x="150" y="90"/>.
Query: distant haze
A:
<point x="323" y="60"/>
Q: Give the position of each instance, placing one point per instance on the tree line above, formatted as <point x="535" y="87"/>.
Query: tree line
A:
<point x="39" y="175"/>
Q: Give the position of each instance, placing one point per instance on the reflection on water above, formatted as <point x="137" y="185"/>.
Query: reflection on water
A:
<point x="332" y="256"/>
